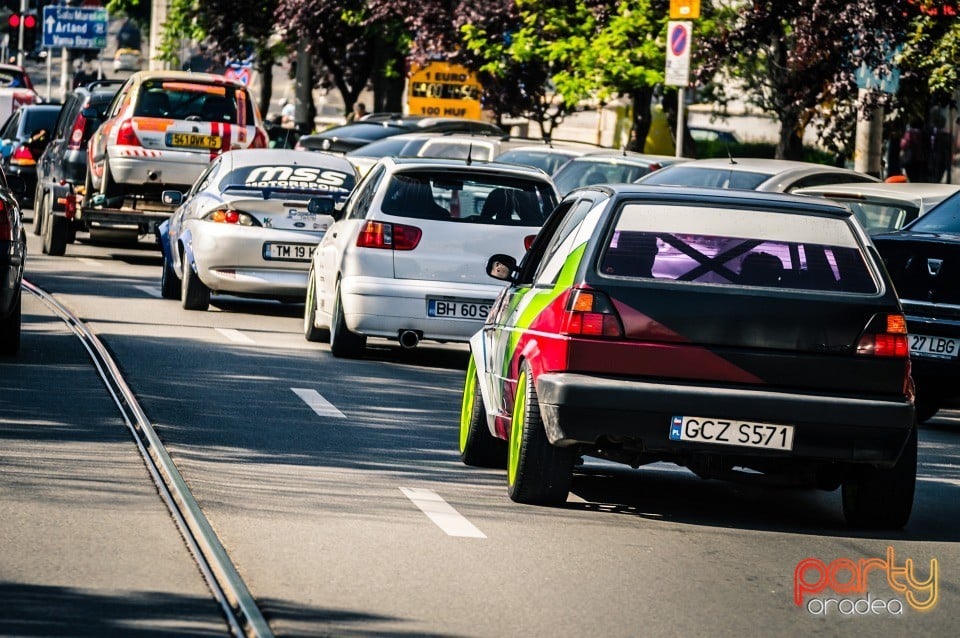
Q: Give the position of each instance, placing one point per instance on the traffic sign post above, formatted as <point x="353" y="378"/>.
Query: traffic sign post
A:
<point x="679" y="37"/>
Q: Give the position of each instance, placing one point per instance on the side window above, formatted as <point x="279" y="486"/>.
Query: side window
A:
<point x="563" y="242"/>
<point x="67" y="114"/>
<point x="205" y="178"/>
<point x="534" y="257"/>
<point x="359" y="202"/>
<point x="119" y="100"/>
<point x="9" y="131"/>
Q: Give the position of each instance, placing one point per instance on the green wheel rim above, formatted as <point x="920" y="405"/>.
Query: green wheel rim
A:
<point x="516" y="429"/>
<point x="466" y="408"/>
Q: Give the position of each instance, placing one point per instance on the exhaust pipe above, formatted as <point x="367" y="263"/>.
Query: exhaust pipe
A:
<point x="409" y="339"/>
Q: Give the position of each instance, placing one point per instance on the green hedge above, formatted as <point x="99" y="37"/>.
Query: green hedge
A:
<point x="758" y="149"/>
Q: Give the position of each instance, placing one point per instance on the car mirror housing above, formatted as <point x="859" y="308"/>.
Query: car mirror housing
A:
<point x="502" y="267"/>
<point x="172" y="198"/>
<point x="320" y="205"/>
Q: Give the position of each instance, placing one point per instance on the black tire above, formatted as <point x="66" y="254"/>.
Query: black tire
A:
<point x="169" y="282"/>
<point x="343" y="343"/>
<point x="477" y="446"/>
<point x="10" y="330"/>
<point x="54" y="233"/>
<point x="882" y="498"/>
<point x="194" y="294"/>
<point x="310" y="331"/>
<point x="537" y="472"/>
<point x="38" y="202"/>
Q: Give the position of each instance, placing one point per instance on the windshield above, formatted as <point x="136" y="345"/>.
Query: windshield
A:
<point x="942" y="218"/>
<point x="548" y="162"/>
<point x="680" y="175"/>
<point x="40" y="119"/>
<point x="289" y="177"/>
<point x="582" y="172"/>
<point x="476" y="198"/>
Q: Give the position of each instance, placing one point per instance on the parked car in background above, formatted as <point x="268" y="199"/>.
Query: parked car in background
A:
<point x="774" y="176"/>
<point x="439" y="145"/>
<point x="23" y="139"/>
<point x="608" y="167"/>
<point x="742" y="335"/>
<point x="63" y="165"/>
<point x="881" y="207"/>
<point x="340" y="139"/>
<point x="249" y="225"/>
<point x="16" y="90"/>
<point x="405" y="258"/>
<point x="706" y="134"/>
<point x="13" y="253"/>
<point x="127" y="60"/>
<point x="923" y="259"/>
<point x="548" y="157"/>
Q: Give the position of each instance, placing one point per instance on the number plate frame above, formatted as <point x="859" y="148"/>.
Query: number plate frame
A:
<point x="456" y="308"/>
<point x="285" y="251"/>
<point x="744" y="434"/>
<point x="922" y="346"/>
<point x="194" y="140"/>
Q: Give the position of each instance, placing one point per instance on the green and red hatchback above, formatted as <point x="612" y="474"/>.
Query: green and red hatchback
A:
<point x="728" y="332"/>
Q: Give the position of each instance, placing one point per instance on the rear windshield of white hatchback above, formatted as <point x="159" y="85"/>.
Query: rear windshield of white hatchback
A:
<point x="707" y="178"/>
<point x="737" y="247"/>
<point x="193" y="101"/>
<point x="469" y="198"/>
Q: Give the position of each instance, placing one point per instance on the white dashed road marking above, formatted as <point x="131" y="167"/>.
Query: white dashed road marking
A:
<point x="442" y="513"/>
<point x="235" y="336"/>
<point x="153" y="291"/>
<point x="317" y="403"/>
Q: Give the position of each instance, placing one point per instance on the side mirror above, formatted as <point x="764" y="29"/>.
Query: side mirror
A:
<point x="502" y="267"/>
<point x="18" y="186"/>
<point x="171" y="198"/>
<point x="320" y="206"/>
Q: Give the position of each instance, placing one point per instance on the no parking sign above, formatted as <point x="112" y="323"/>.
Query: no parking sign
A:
<point x="679" y="36"/>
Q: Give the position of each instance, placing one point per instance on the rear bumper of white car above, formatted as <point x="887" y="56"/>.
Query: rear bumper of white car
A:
<point x="383" y="307"/>
<point x="137" y="165"/>
<point x="231" y="259"/>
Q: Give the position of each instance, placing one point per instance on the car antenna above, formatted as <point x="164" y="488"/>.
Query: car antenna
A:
<point x="729" y="154"/>
<point x="470" y="154"/>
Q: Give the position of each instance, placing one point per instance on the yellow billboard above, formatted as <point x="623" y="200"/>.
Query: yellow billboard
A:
<point x="441" y="89"/>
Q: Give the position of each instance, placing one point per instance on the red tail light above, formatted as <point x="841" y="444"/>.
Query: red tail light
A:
<point x="590" y="314"/>
<point x="885" y="336"/>
<point x="390" y="236"/>
<point x="76" y="135"/>
<point x="126" y="135"/>
<point x="6" y="224"/>
<point x="528" y="241"/>
<point x="22" y="157"/>
<point x="259" y="140"/>
<point x="656" y="166"/>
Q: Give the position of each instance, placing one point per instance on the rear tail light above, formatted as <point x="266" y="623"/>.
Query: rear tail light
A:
<point x="390" y="236"/>
<point x="126" y="136"/>
<point x="528" y="241"/>
<point x="589" y="313"/>
<point x="230" y="216"/>
<point x="6" y="223"/>
<point x="885" y="336"/>
<point x="22" y="157"/>
<point x="76" y="135"/>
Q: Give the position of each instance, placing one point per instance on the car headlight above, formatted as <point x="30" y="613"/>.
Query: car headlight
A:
<point x="230" y="216"/>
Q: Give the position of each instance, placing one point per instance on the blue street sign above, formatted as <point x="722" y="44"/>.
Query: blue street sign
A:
<point x="75" y="27"/>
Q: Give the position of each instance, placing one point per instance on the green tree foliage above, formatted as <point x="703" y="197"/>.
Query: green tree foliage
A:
<point x="798" y="59"/>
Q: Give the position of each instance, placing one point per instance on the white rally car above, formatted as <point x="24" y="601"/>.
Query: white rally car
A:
<point x="250" y="224"/>
<point x="163" y="128"/>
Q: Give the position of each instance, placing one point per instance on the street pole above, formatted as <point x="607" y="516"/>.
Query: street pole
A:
<point x="869" y="141"/>
<point x="304" y="90"/>
<point x="680" y="106"/>
<point x="23" y="11"/>
<point x="49" y="71"/>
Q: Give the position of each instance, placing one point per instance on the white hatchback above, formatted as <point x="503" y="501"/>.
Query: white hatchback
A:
<point x="407" y="258"/>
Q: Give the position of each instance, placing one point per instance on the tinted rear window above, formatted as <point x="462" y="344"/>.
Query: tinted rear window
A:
<point x="474" y="197"/>
<point x="390" y="147"/>
<point x="364" y="131"/>
<point x="37" y="119"/>
<point x="736" y="247"/>
<point x="587" y="173"/>
<point x="707" y="178"/>
<point x="547" y="162"/>
<point x="191" y="101"/>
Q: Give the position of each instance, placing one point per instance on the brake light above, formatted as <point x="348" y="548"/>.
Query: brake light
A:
<point x="231" y="216"/>
<point x="126" y="136"/>
<point x="259" y="139"/>
<point x="885" y="336"/>
<point x="76" y="135"/>
<point x="528" y="241"/>
<point x="589" y="313"/>
<point x="390" y="236"/>
<point x="22" y="157"/>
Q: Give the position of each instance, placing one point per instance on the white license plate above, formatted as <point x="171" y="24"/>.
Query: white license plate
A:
<point x="458" y="308"/>
<point x="940" y="347"/>
<point x="288" y="252"/>
<point x="701" y="429"/>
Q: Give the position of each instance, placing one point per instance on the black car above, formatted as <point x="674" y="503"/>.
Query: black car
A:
<point x="13" y="251"/>
<point x="23" y="138"/>
<point x="63" y="166"/>
<point x="923" y="258"/>
<point x="341" y="139"/>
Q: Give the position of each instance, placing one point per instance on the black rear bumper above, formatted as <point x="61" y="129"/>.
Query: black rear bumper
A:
<point x="598" y="411"/>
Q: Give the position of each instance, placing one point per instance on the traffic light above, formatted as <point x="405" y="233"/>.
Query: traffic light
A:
<point x="30" y="26"/>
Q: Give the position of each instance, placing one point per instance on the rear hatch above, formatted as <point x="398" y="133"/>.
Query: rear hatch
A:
<point x="463" y="217"/>
<point x="744" y="296"/>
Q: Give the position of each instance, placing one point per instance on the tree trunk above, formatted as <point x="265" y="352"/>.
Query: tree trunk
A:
<point x="265" y="70"/>
<point x="642" y="119"/>
<point x="790" y="144"/>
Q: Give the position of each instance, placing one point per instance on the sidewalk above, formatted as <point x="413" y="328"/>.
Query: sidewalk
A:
<point x="87" y="548"/>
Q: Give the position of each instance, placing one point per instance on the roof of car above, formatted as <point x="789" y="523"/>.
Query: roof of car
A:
<point x="761" y="165"/>
<point x="186" y="76"/>
<point x="627" y="157"/>
<point x="914" y="192"/>
<point x="708" y="196"/>
<point x="430" y="162"/>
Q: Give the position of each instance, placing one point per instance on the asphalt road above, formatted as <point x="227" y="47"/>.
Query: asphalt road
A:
<point x="324" y="509"/>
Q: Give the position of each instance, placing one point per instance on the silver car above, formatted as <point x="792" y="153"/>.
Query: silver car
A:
<point x="250" y="224"/>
